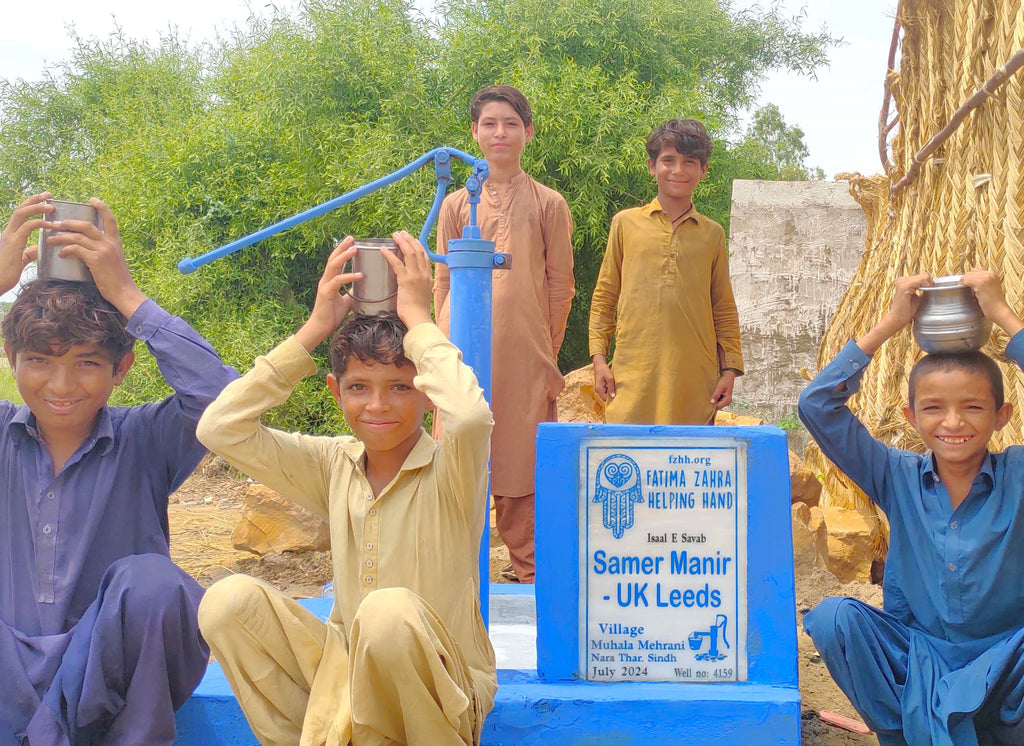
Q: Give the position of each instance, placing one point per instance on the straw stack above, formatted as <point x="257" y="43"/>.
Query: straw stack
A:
<point x="962" y="205"/>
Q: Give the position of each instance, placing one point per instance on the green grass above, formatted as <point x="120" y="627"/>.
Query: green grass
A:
<point x="8" y="390"/>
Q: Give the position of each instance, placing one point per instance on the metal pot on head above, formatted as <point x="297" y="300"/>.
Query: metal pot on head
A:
<point x="949" y="318"/>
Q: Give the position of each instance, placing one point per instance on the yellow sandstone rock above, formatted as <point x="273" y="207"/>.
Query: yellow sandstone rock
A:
<point x="850" y="543"/>
<point x="810" y="539"/>
<point x="269" y="523"/>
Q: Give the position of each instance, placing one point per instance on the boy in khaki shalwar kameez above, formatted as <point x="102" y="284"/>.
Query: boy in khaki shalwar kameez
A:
<point x="404" y="657"/>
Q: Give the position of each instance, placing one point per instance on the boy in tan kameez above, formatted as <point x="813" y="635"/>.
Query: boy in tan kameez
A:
<point x="530" y="305"/>
<point x="664" y="293"/>
<point x="404" y="657"/>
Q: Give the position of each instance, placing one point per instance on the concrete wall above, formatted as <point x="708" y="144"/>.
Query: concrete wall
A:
<point x="794" y="246"/>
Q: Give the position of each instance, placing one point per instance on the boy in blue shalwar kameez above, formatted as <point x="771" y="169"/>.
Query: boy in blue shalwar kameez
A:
<point x="99" y="640"/>
<point x="944" y="662"/>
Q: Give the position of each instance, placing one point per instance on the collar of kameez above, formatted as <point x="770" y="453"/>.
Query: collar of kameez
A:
<point x="930" y="473"/>
<point x="421" y="454"/>
<point x="655" y="206"/>
<point x="24" y="422"/>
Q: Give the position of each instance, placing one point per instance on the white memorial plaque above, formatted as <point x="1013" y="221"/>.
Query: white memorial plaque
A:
<point x="663" y="586"/>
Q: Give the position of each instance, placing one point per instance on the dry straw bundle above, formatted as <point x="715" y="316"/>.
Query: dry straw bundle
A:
<point x="952" y="198"/>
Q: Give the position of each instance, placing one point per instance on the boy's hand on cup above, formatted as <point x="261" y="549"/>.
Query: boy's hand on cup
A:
<point x="988" y="289"/>
<point x="331" y="306"/>
<point x="103" y="254"/>
<point x="415" y="285"/>
<point x="15" y="253"/>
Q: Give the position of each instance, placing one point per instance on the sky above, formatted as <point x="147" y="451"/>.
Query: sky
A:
<point x="838" y="112"/>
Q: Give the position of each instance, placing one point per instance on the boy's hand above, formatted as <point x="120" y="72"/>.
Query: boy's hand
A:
<point x="415" y="284"/>
<point x="15" y="253"/>
<point x="331" y="305"/>
<point x="905" y="303"/>
<point x="604" y="381"/>
<point x="102" y="253"/>
<point x="989" y="292"/>
<point x="721" y="397"/>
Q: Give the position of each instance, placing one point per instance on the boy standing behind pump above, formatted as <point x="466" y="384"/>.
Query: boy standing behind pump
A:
<point x="530" y="307"/>
<point x="664" y="293"/>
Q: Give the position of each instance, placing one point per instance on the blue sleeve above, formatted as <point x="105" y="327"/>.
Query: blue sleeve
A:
<point x="187" y="361"/>
<point x="1015" y="349"/>
<point x="193" y="369"/>
<point x="838" y="432"/>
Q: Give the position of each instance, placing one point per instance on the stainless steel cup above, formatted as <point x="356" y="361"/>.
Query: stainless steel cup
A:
<point x="51" y="265"/>
<point x="377" y="291"/>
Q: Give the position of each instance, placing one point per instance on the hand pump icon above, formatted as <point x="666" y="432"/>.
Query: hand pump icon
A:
<point x="697" y="640"/>
<point x="470" y="258"/>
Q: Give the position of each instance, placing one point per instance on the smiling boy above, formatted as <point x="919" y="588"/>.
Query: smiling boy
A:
<point x="664" y="294"/>
<point x="943" y="663"/>
<point x="99" y="637"/>
<point x="404" y="657"/>
<point x="531" y="304"/>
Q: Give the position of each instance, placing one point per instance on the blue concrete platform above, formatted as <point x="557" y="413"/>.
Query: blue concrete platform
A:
<point x="531" y="712"/>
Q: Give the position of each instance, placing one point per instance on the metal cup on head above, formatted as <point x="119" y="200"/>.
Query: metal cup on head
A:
<point x="52" y="266"/>
<point x="377" y="291"/>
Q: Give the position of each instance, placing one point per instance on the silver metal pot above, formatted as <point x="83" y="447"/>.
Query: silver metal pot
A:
<point x="52" y="266"/>
<point x="949" y="318"/>
<point x="377" y="291"/>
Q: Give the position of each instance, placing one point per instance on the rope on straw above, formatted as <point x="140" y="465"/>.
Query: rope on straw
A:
<point x="987" y="90"/>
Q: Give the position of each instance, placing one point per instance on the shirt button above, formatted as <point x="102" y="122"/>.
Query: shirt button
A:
<point x="369" y="545"/>
<point x="369" y="496"/>
<point x="953" y="525"/>
<point x="951" y="566"/>
<point x="50" y="495"/>
<point x="369" y="579"/>
<point x="373" y="511"/>
<point x="47" y="528"/>
<point x="855" y="365"/>
<point x="138" y="328"/>
<point x="369" y="563"/>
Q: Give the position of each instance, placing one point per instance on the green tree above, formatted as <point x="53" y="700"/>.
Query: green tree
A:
<point x="777" y="146"/>
<point x="195" y="147"/>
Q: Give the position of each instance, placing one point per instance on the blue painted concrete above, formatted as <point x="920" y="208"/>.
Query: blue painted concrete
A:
<point x="764" y="709"/>
<point x="529" y="712"/>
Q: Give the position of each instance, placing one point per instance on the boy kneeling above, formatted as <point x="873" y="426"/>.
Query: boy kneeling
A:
<point x="943" y="663"/>
<point x="99" y="640"/>
<point x="405" y="657"/>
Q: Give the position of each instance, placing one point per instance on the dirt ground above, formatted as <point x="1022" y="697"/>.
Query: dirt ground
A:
<point x="204" y="511"/>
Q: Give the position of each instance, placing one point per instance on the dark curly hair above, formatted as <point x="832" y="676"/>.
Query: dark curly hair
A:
<point x="687" y="136"/>
<point x="375" y="339"/>
<point x="51" y="316"/>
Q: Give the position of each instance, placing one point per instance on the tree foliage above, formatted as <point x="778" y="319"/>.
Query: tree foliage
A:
<point x="195" y="147"/>
<point x="777" y="146"/>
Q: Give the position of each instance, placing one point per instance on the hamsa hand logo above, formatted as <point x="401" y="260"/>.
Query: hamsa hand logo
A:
<point x="618" y="486"/>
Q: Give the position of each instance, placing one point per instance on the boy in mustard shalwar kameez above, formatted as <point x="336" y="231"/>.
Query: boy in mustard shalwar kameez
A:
<point x="404" y="657"/>
<point x="664" y="293"/>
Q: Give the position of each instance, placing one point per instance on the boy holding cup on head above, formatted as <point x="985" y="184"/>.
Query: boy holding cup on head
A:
<point x="99" y="640"/>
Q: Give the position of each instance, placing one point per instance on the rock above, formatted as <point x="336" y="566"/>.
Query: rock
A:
<point x="850" y="543"/>
<point x="810" y="539"/>
<point x="723" y="417"/>
<point x="269" y="523"/>
<point x="804" y="486"/>
<point x="578" y="401"/>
